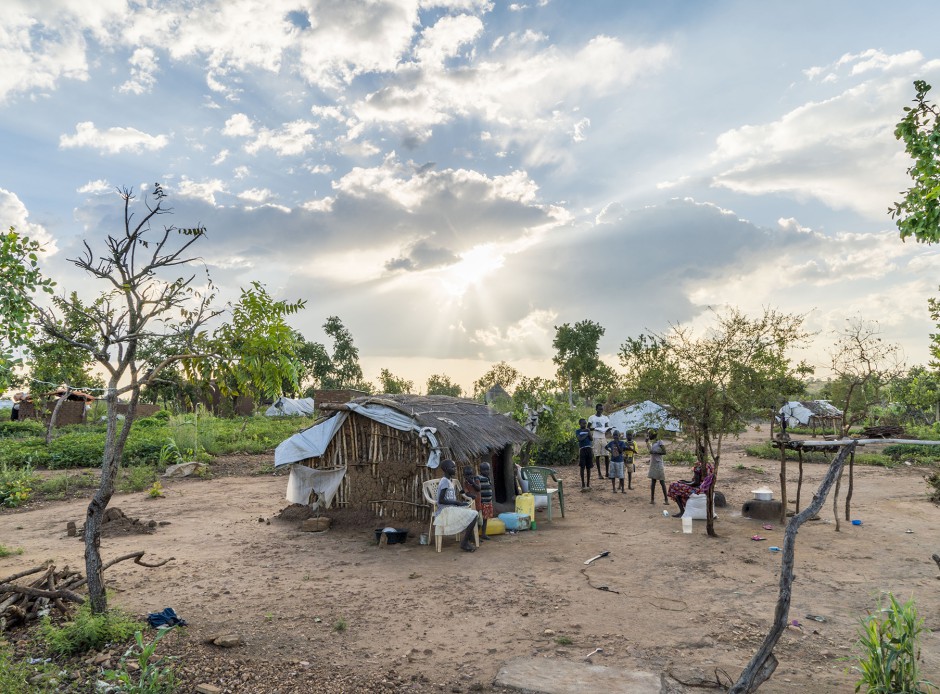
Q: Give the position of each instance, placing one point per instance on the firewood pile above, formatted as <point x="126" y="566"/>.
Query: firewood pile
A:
<point x="48" y="589"/>
<point x="889" y="431"/>
<point x="38" y="596"/>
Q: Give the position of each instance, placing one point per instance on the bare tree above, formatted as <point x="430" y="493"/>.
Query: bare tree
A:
<point x="140" y="303"/>
<point x="863" y="364"/>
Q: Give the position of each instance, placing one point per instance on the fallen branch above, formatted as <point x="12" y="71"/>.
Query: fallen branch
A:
<point x="764" y="662"/>
<point x="40" y="593"/>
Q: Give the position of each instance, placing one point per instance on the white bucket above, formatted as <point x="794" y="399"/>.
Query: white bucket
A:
<point x="423" y="539"/>
<point x="687" y="525"/>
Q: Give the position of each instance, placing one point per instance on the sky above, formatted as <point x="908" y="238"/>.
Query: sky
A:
<point x="455" y="178"/>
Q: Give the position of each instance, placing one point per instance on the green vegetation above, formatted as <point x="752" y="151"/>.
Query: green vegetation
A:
<point x="9" y="551"/>
<point x="563" y="641"/>
<point x="16" y="485"/>
<point x="339" y="626"/>
<point x="59" y="486"/>
<point x="86" y="631"/>
<point x="889" y="651"/>
<point x="933" y="482"/>
<point x="136" y="479"/>
<point x="152" y="676"/>
<point x="154" y="441"/>
<point x="18" y="677"/>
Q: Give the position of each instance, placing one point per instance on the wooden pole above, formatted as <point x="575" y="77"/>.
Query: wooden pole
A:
<point x="848" y="494"/>
<point x="835" y="496"/>
<point x="783" y="483"/>
<point x="799" y="484"/>
<point x="763" y="664"/>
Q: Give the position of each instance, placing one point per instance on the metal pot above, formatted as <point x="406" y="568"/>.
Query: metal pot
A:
<point x="763" y="494"/>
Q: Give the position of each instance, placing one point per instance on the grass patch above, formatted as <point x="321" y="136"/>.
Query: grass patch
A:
<point x="62" y="485"/>
<point x="563" y="641"/>
<point x="136" y="479"/>
<point x="339" y="626"/>
<point x="16" y="485"/>
<point x="18" y="677"/>
<point x="10" y="551"/>
<point x="768" y="452"/>
<point x="86" y="631"/>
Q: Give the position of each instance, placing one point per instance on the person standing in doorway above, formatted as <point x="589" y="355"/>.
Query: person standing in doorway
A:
<point x="599" y="424"/>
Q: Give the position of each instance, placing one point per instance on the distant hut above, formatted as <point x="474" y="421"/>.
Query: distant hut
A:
<point x="376" y="452"/>
<point x="813" y="414"/>
<point x="497" y="392"/>
<point x="73" y="411"/>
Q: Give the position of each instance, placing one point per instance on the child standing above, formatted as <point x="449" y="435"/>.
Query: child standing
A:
<point x="585" y="453"/>
<point x="486" y="496"/>
<point x="628" y="457"/>
<point x="616" y="449"/>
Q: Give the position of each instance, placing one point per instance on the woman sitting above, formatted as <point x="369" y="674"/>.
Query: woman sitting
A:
<point x="681" y="490"/>
<point x="453" y="516"/>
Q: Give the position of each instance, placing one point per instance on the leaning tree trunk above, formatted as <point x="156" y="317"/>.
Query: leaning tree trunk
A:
<point x="115" y="440"/>
<point x="54" y="417"/>
<point x="764" y="662"/>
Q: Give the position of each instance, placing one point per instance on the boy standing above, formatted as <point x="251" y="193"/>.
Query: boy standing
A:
<point x="585" y="453"/>
<point x="599" y="424"/>
<point x="616" y="448"/>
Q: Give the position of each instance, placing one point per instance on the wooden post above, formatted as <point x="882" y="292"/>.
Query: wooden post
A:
<point x="783" y="483"/>
<point x="848" y="494"/>
<point x="835" y="496"/>
<point x="799" y="484"/>
<point x="763" y="664"/>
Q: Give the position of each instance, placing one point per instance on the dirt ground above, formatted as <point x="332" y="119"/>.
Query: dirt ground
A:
<point x="421" y="621"/>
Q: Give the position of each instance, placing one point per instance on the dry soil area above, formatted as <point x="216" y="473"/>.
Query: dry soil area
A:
<point x="416" y="620"/>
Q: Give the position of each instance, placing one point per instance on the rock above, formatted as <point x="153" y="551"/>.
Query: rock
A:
<point x="71" y="529"/>
<point x="186" y="469"/>
<point x="549" y="632"/>
<point x="207" y="689"/>
<point x="227" y="641"/>
<point x="315" y="525"/>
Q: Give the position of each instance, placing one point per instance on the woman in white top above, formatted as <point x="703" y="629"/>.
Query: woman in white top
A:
<point x="453" y="515"/>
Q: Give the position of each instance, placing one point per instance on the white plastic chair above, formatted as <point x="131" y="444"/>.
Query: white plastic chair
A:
<point x="430" y="490"/>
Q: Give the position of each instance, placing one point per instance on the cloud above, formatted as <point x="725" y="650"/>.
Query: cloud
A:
<point x="14" y="214"/>
<point x="98" y="187"/>
<point x="144" y="68"/>
<point x="201" y="190"/>
<point x="112" y="140"/>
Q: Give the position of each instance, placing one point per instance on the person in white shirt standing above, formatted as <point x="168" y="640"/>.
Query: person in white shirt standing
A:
<point x="599" y="423"/>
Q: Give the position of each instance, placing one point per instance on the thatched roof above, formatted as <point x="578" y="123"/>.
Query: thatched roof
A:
<point x="467" y="428"/>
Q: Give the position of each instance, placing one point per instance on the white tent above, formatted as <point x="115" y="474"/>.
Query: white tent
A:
<point x="644" y="415"/>
<point x="802" y="413"/>
<point x="289" y="406"/>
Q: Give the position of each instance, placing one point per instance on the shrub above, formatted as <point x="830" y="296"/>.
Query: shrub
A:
<point x="150" y="676"/>
<point x="888" y="661"/>
<point x="16" y="485"/>
<point x="933" y="481"/>
<point x="86" y="631"/>
<point x="18" y="677"/>
<point x="136" y="479"/>
<point x="76" y="449"/>
<point x="912" y="451"/>
<point x="60" y="485"/>
<point x="9" y="552"/>
<point x="22" y="452"/>
<point x="21" y="428"/>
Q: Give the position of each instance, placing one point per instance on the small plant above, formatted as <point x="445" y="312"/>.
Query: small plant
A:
<point x="16" y="485"/>
<point x="888" y="662"/>
<point x="758" y="469"/>
<point x="933" y="481"/>
<point x="86" y="631"/>
<point x="156" y="490"/>
<point x="152" y="677"/>
<point x="563" y="641"/>
<point x="170" y="454"/>
<point x="740" y="466"/>
<point x="137" y="479"/>
<point x="9" y="551"/>
<point x="339" y="626"/>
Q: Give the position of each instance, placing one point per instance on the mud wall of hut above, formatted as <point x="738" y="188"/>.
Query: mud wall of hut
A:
<point x="386" y="469"/>
<point x="71" y="412"/>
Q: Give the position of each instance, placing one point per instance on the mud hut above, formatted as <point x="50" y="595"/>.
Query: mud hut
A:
<point x="374" y="453"/>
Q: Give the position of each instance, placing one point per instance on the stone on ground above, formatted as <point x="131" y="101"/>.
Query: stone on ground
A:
<point x="555" y="676"/>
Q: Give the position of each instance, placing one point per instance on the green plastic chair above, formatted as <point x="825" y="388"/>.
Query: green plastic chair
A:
<point x="538" y="479"/>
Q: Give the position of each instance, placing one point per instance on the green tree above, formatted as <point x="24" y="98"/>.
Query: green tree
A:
<point x="138" y="304"/>
<point x="918" y="393"/>
<point x="22" y="278"/>
<point x="577" y="356"/>
<point x="393" y="385"/>
<point x="346" y="372"/>
<point x="863" y="364"/>
<point x="501" y="374"/>
<point x="918" y="213"/>
<point x="440" y="384"/>
<point x="715" y="383"/>
<point x="53" y="361"/>
<point x="255" y="352"/>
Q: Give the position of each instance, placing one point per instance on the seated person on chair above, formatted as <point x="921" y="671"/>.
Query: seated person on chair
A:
<point x="453" y="515"/>
<point x="681" y="490"/>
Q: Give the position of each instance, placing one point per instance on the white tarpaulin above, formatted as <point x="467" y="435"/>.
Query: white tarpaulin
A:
<point x="642" y="416"/>
<point x="304" y="480"/>
<point x="312" y="442"/>
<point x="290" y="406"/>
<point x="797" y="413"/>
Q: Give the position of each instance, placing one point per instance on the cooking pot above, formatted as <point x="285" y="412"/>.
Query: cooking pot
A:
<point x="763" y="494"/>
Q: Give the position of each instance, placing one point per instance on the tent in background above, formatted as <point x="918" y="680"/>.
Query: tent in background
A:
<point x="641" y="416"/>
<point x="290" y="406"/>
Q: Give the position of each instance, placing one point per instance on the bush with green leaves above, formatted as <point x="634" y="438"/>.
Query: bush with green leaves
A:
<point x="913" y="451"/>
<point x="151" y="676"/>
<point x="767" y="451"/>
<point x="18" y="677"/>
<point x="888" y="641"/>
<point x="86" y="631"/>
<point x="136" y="479"/>
<point x="21" y="428"/>
<point x="16" y="485"/>
<point x="19" y="452"/>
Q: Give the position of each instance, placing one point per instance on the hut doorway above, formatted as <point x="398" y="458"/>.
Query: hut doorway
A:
<point x="504" y="476"/>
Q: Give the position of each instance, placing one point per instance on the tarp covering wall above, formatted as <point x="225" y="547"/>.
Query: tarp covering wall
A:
<point x="291" y="406"/>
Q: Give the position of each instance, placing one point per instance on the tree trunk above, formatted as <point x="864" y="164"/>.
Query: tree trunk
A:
<point x="710" y="505"/>
<point x="114" y="449"/>
<point x="848" y="493"/>
<point x="764" y="663"/>
<point x="54" y="417"/>
<point x="783" y="484"/>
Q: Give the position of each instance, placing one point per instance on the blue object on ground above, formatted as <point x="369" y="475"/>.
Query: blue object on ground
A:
<point x="167" y="618"/>
<point x="856" y="522"/>
<point x="774" y="549"/>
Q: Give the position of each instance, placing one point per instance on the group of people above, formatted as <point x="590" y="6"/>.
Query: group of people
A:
<point x="453" y="515"/>
<point x="619" y="455"/>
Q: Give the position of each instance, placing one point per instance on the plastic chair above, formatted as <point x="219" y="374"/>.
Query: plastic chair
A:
<point x="430" y="490"/>
<point x="538" y="478"/>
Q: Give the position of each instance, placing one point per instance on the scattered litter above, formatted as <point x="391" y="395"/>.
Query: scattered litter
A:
<point x="908" y="463"/>
<point x="594" y="652"/>
<point x="774" y="549"/>
<point x="599" y="556"/>
<point x="856" y="522"/>
<point x="816" y="617"/>
<point x="909" y="531"/>
<point x="767" y="526"/>
<point x="796" y="623"/>
<point x="665" y="514"/>
<point x="758" y="538"/>
<point x="165" y="619"/>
